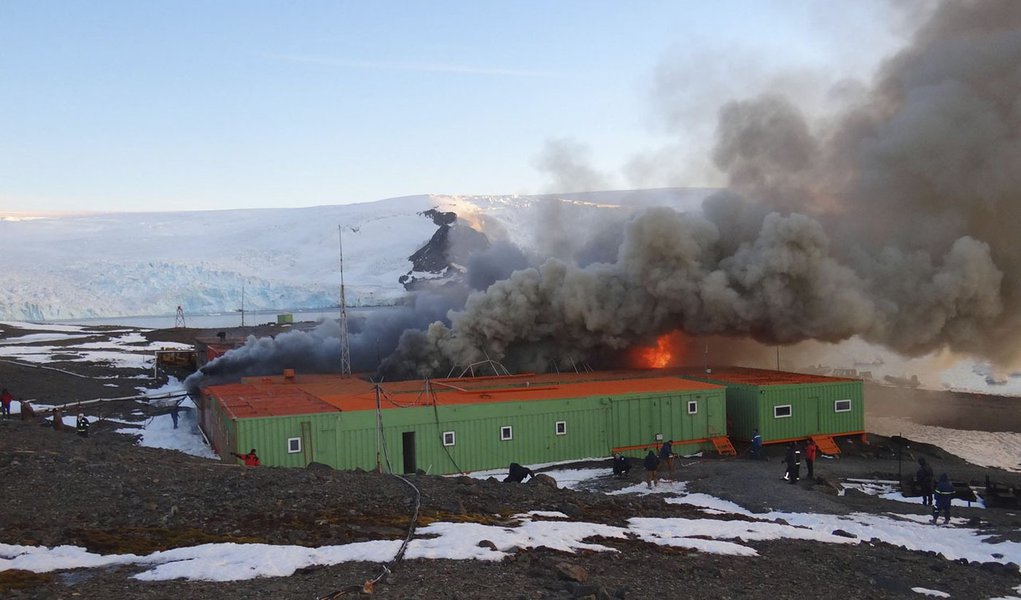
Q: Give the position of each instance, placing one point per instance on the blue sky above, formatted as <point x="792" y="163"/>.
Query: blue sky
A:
<point x="143" y="106"/>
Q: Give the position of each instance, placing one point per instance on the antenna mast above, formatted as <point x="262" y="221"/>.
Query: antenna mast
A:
<point x="345" y="349"/>
<point x="179" y="319"/>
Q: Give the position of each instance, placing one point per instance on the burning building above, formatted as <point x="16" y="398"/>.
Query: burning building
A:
<point x="458" y="425"/>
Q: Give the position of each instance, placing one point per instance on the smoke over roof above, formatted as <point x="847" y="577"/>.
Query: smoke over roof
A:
<point x="896" y="221"/>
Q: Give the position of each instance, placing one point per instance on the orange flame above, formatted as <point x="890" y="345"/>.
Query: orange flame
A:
<point x="663" y="354"/>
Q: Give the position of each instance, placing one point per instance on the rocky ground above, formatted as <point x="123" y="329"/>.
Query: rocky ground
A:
<point x="109" y="495"/>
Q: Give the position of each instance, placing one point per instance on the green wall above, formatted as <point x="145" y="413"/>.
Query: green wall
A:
<point x="592" y="427"/>
<point x="812" y="412"/>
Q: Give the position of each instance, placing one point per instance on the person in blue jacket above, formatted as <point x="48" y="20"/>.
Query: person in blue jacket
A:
<point x="666" y="456"/>
<point x="756" y="449"/>
<point x="651" y="464"/>
<point x="943" y="497"/>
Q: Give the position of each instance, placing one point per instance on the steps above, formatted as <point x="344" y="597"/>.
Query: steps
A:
<point x="723" y="446"/>
<point x="826" y="444"/>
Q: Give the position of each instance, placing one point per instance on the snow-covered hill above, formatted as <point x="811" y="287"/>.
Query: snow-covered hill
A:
<point x="107" y="265"/>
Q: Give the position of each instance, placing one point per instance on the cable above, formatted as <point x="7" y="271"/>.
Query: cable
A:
<point x="439" y="429"/>
<point x="370" y="584"/>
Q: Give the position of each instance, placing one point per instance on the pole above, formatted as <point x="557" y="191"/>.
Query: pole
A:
<point x="778" y="358"/>
<point x="379" y="431"/>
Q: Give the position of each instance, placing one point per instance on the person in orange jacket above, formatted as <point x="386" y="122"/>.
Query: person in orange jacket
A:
<point x="251" y="460"/>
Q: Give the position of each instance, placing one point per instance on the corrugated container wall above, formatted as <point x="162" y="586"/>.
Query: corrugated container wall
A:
<point x="470" y="437"/>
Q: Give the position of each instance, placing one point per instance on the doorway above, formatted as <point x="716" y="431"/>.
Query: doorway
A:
<point x="408" y="443"/>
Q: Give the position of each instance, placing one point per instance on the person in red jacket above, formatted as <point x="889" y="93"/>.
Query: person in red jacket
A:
<point x="5" y="400"/>
<point x="251" y="460"/>
<point x="810" y="451"/>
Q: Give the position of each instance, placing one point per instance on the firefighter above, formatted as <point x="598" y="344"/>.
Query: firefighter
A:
<point x="944" y="496"/>
<point x="793" y="461"/>
<point x="82" y="425"/>
<point x="756" y="449"/>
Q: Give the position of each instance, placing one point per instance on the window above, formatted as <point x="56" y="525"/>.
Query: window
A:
<point x="692" y="407"/>
<point x="293" y="445"/>
<point x="448" y="438"/>
<point x="841" y="406"/>
<point x="506" y="433"/>
<point x="561" y="428"/>
<point x="779" y="412"/>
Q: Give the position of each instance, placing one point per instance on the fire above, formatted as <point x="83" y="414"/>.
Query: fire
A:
<point x="663" y="354"/>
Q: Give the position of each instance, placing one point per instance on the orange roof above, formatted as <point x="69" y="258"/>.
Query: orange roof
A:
<point x="303" y="394"/>
<point x="246" y="401"/>
<point x="760" y="376"/>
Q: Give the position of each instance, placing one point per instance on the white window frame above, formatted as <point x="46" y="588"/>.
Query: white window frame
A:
<point x="451" y="440"/>
<point x="692" y="407"/>
<point x="560" y="428"/>
<point x="837" y="403"/>
<point x="506" y="433"/>
<point x="291" y="445"/>
<point x="790" y="411"/>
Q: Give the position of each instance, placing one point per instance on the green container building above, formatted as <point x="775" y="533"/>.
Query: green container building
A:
<point x="458" y="425"/>
<point x="788" y="406"/>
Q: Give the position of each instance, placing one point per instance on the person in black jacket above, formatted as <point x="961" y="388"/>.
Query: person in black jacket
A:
<point x="651" y="464"/>
<point x="621" y="465"/>
<point x="82" y="425"/>
<point x="793" y="460"/>
<point x="924" y="478"/>
<point x="517" y="473"/>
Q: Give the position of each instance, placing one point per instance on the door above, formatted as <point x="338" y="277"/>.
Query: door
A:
<point x="713" y="417"/>
<point x="408" y="449"/>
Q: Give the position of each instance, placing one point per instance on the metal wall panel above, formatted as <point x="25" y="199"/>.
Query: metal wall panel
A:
<point x="594" y="426"/>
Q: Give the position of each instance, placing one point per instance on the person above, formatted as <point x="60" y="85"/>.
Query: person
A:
<point x="5" y="401"/>
<point x="82" y="427"/>
<point x="924" y="479"/>
<point x="517" y="473"/>
<point x="666" y="456"/>
<point x="756" y="449"/>
<point x="793" y="460"/>
<point x="173" y="415"/>
<point x="27" y="412"/>
<point x="944" y="496"/>
<point x="58" y="420"/>
<point x="251" y="459"/>
<point x="651" y="464"/>
<point x="621" y="465"/>
<point x="810" y="451"/>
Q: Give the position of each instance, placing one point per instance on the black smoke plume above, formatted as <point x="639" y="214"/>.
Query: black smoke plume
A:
<point x="896" y="221"/>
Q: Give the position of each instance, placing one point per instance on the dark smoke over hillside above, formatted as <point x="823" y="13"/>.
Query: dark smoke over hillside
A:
<point x="896" y="222"/>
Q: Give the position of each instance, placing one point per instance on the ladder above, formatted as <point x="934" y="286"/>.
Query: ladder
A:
<point x="826" y="444"/>
<point x="723" y="446"/>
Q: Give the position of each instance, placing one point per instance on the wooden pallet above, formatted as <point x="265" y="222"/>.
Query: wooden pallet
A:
<point x="723" y="446"/>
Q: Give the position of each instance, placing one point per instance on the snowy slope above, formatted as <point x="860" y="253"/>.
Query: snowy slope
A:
<point x="126" y="264"/>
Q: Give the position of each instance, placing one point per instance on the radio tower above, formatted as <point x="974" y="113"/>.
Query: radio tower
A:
<point x="179" y="320"/>
<point x="345" y="349"/>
